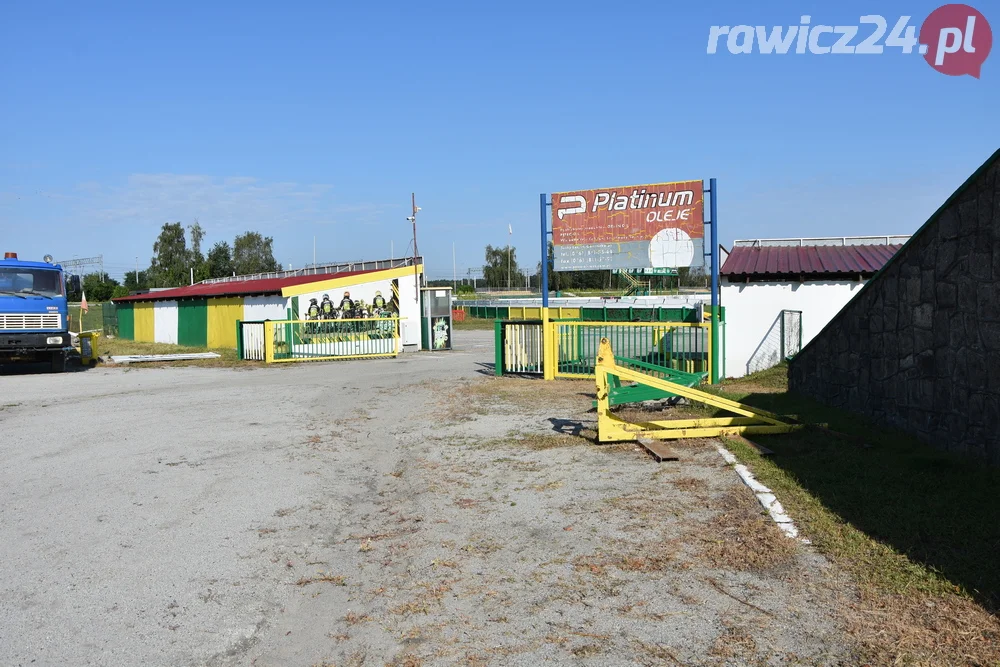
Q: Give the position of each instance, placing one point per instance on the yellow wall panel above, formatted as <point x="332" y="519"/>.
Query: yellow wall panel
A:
<point x="222" y="317"/>
<point x="145" y="328"/>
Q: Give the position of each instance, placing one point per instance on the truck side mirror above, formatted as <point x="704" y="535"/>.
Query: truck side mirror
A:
<point x="74" y="283"/>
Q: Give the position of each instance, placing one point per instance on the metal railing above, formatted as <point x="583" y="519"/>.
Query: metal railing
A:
<point x="317" y="340"/>
<point x="250" y="342"/>
<point x="682" y="346"/>
<point x="520" y="348"/>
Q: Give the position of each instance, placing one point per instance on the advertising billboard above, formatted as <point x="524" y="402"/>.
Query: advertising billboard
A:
<point x="661" y="225"/>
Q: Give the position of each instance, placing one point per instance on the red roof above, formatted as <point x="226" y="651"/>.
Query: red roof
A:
<point x="811" y="262"/>
<point x="235" y="287"/>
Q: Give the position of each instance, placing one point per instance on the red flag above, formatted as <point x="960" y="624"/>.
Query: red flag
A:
<point x="83" y="303"/>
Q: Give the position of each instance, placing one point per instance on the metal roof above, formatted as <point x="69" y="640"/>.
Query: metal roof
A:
<point x="239" y="288"/>
<point x="809" y="262"/>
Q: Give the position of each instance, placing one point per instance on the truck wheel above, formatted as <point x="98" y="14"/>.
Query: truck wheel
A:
<point x="58" y="362"/>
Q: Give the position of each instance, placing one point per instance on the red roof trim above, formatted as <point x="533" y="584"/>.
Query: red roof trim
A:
<point x="236" y="288"/>
<point x="811" y="261"/>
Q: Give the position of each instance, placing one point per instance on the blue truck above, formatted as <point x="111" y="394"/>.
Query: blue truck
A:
<point x="34" y="321"/>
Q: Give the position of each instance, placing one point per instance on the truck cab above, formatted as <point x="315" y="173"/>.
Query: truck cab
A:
<point x="34" y="322"/>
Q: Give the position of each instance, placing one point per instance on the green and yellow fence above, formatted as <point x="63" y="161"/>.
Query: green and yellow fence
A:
<point x="319" y="340"/>
<point x="568" y="348"/>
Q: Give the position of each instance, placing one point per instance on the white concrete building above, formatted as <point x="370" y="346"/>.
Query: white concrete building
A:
<point x="779" y="293"/>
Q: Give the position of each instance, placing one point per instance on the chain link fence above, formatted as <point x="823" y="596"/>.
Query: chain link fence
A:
<point x="783" y="340"/>
<point x="101" y="317"/>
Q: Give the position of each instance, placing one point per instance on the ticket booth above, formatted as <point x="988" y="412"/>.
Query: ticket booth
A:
<point x="435" y="318"/>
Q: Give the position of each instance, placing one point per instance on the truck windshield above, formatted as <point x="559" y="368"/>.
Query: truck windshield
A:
<point x="40" y="282"/>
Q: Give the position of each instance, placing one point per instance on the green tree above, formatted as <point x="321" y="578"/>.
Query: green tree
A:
<point x="253" y="253"/>
<point x="501" y="268"/>
<point x="98" y="287"/>
<point x="169" y="267"/>
<point x="219" y="263"/>
<point x="134" y="283"/>
<point x="196" y="258"/>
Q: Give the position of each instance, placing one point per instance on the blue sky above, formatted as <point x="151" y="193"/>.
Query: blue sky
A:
<point x="303" y="119"/>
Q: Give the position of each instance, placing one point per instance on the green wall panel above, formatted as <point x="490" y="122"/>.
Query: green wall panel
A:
<point x="192" y="322"/>
<point x="126" y="321"/>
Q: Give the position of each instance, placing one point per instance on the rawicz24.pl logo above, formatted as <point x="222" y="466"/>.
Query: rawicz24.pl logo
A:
<point x="954" y="39"/>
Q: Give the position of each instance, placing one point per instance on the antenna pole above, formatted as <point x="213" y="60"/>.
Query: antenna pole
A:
<point x="416" y="274"/>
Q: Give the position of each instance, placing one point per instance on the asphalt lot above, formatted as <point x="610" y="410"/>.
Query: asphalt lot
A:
<point x="409" y="511"/>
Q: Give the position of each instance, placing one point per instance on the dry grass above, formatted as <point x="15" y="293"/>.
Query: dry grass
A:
<point x="742" y="537"/>
<point x="924" y="630"/>
<point x="914" y="527"/>
<point x="354" y="619"/>
<point x="734" y="642"/>
<point x="410" y="608"/>
<point x="324" y="577"/>
<point x="690" y="484"/>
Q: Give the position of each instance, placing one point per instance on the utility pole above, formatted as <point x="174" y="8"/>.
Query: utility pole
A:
<point x="454" y="271"/>
<point x="314" y="254"/>
<point x="137" y="272"/>
<point x="510" y="231"/>
<point x="413" y="219"/>
<point x="392" y="250"/>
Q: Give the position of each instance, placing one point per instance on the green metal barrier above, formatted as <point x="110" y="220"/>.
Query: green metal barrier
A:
<point x="678" y="346"/>
<point x="619" y="394"/>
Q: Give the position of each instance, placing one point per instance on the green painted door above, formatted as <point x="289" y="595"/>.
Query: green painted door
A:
<point x="192" y="322"/>
<point x="126" y="321"/>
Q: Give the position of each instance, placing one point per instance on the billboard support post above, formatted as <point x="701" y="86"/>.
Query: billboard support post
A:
<point x="714" y="240"/>
<point x="545" y="252"/>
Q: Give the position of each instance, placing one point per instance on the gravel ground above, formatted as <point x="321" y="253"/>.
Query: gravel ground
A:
<point x="411" y="511"/>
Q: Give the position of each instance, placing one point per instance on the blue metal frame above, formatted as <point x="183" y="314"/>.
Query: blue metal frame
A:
<point x="543" y="204"/>
<point x="713" y="255"/>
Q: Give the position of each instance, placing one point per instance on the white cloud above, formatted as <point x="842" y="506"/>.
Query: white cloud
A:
<point x="224" y="205"/>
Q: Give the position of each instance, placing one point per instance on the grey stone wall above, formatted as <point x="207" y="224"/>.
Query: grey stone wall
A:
<point x="919" y="347"/>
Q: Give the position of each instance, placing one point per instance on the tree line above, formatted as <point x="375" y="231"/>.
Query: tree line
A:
<point x="174" y="259"/>
<point x="501" y="262"/>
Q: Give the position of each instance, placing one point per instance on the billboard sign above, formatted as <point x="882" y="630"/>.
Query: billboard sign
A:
<point x="636" y="227"/>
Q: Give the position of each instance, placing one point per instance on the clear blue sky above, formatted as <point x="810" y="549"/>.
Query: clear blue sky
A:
<point x="303" y="119"/>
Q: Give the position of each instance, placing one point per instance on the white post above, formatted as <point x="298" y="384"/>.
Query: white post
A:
<point x="454" y="271"/>
<point x="192" y="275"/>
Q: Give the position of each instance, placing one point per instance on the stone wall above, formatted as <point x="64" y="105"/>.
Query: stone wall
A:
<point x="919" y="347"/>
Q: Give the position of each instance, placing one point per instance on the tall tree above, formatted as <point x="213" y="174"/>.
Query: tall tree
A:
<point x="197" y="259"/>
<point x="501" y="267"/>
<point x="253" y="253"/>
<point x="169" y="267"/>
<point x="135" y="283"/>
<point x="219" y="262"/>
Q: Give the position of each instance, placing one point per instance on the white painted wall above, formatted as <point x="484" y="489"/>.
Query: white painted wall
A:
<point x="165" y="322"/>
<point x="259" y="308"/>
<point x="409" y="307"/>
<point x="751" y="309"/>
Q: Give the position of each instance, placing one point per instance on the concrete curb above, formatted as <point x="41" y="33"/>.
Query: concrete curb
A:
<point x="764" y="495"/>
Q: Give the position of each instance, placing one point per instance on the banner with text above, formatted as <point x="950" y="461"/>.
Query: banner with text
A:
<point x="634" y="227"/>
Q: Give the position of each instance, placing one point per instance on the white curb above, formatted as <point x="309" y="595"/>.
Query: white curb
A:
<point x="764" y="495"/>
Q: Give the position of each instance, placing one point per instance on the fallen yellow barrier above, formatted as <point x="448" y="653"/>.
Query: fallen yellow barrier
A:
<point x="611" y="428"/>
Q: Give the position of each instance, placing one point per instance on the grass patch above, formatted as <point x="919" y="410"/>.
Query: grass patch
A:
<point x="473" y="324"/>
<point x="916" y="527"/>
<point x="118" y="346"/>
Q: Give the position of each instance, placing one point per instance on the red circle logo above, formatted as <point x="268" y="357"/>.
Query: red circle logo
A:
<point x="955" y="40"/>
